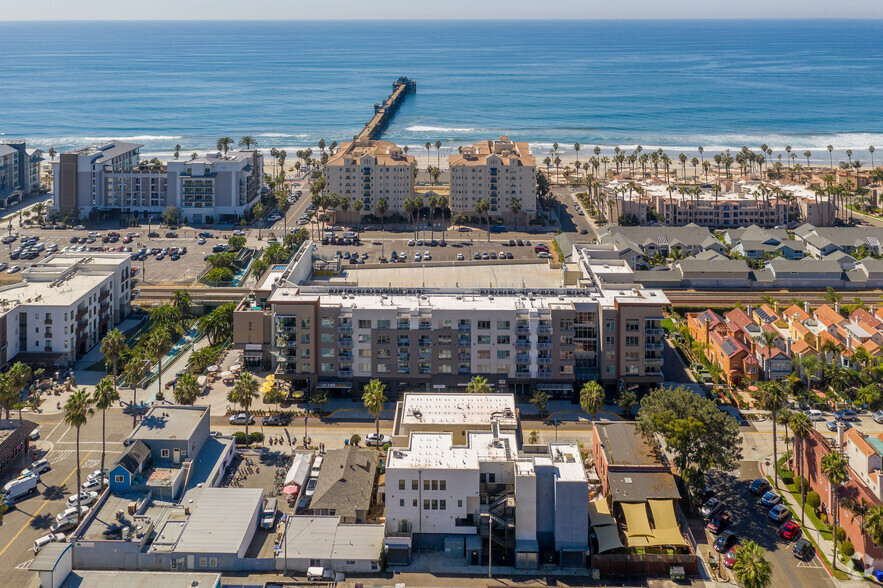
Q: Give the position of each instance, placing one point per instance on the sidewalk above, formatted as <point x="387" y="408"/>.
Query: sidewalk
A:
<point x="809" y="528"/>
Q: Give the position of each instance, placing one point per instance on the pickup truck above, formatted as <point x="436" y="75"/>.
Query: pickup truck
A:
<point x="718" y="522"/>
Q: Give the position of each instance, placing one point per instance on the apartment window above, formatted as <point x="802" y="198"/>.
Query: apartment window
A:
<point x="384" y="354"/>
<point x="426" y="484"/>
<point x="304" y="353"/>
<point x="383" y="339"/>
<point x="503" y="325"/>
<point x="401" y="502"/>
<point x="631" y="356"/>
<point x="631" y="341"/>
<point x="484" y="325"/>
<point x="164" y="452"/>
<point x="610" y="325"/>
<point x="365" y="338"/>
<point x="434" y="504"/>
<point x="305" y="338"/>
<point x="306" y="367"/>
<point x="327" y="322"/>
<point x="483" y="340"/>
<point x="459" y="504"/>
<point x="632" y="325"/>
<point x="382" y="368"/>
<point x="203" y="562"/>
<point x="442" y="504"/>
<point x="364" y="323"/>
<point x="118" y="479"/>
<point x="326" y="338"/>
<point x="327" y="367"/>
<point x="435" y="484"/>
<point x="401" y="484"/>
<point x="414" y="503"/>
<point x="444" y="340"/>
<point x="444" y="354"/>
<point x="326" y="352"/>
<point x="631" y="370"/>
<point x="213" y="562"/>
<point x="566" y="369"/>
<point x="609" y="340"/>
<point x="502" y="339"/>
<point x="445" y="324"/>
<point x="305" y="323"/>
<point x="364" y="353"/>
<point x="444" y="368"/>
<point x="565" y="324"/>
<point x="383" y="324"/>
<point x="442" y="485"/>
<point x="426" y="504"/>
<point x="413" y="484"/>
<point x="363" y="366"/>
<point x="503" y="354"/>
<point x="484" y="353"/>
<point x="566" y="355"/>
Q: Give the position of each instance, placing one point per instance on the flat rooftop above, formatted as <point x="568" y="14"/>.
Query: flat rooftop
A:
<point x="220" y="519"/>
<point x="623" y="445"/>
<point x="464" y="275"/>
<point x="108" y="526"/>
<point x="460" y="409"/>
<point x="642" y="486"/>
<point x="90" y="579"/>
<point x="437" y="451"/>
<point x="325" y="538"/>
<point x="169" y="421"/>
<point x="568" y="461"/>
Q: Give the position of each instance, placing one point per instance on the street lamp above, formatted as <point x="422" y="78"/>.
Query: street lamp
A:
<point x="555" y="423"/>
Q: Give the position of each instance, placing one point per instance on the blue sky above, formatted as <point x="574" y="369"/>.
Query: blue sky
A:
<point x="434" y="9"/>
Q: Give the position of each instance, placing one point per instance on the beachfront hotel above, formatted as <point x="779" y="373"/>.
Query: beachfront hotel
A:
<point x="498" y="171"/>
<point x="368" y="171"/>
<point x="19" y="172"/>
<point x="435" y="331"/>
<point x="110" y="178"/>
<point x="63" y="306"/>
<point x="739" y="204"/>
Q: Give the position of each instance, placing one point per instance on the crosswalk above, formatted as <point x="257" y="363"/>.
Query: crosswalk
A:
<point x="55" y="457"/>
<point x="25" y="564"/>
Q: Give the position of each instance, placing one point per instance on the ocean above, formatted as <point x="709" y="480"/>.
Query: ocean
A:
<point x="669" y="84"/>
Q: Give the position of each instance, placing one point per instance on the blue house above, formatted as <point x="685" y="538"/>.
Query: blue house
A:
<point x="135" y="460"/>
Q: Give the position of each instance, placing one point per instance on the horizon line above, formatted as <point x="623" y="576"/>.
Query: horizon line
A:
<point x="460" y="20"/>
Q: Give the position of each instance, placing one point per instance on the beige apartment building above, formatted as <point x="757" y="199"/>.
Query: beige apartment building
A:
<point x="368" y="171"/>
<point x="425" y="339"/>
<point x="498" y="171"/>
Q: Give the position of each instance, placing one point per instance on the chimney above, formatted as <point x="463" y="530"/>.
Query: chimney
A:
<point x="806" y="306"/>
<point x="848" y="340"/>
<point x="837" y="307"/>
<point x="706" y="330"/>
<point x="748" y="310"/>
<point x="788" y="346"/>
<point x="841" y="431"/>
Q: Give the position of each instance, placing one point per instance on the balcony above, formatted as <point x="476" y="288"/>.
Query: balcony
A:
<point x="522" y="345"/>
<point x="653" y="373"/>
<point x="464" y="370"/>
<point x="345" y="329"/>
<point x="544" y="375"/>
<point x="344" y="356"/>
<point x="345" y="343"/>
<point x="522" y="375"/>
<point x="522" y="330"/>
<point x="81" y="314"/>
<point x="653" y="346"/>
<point x="286" y="344"/>
<point x="654" y="332"/>
<point x="103" y="296"/>
<point x="654" y="361"/>
<point x="47" y="335"/>
<point x="345" y="373"/>
<point x="464" y="341"/>
<point x="464" y="356"/>
<point x="522" y="358"/>
<point x="403" y="341"/>
<point x="544" y="346"/>
<point x="464" y="328"/>
<point x="280" y="328"/>
<point x="544" y="330"/>
<point x="47" y="321"/>
<point x="544" y="360"/>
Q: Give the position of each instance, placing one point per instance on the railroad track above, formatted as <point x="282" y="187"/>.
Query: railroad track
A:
<point x="731" y="297"/>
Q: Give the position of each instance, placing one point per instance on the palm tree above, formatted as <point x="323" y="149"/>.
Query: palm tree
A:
<point x="224" y="144"/>
<point x="481" y="207"/>
<point x="248" y="142"/>
<point x="243" y="393"/>
<point x="259" y="211"/>
<point x="438" y="145"/>
<point x="801" y="426"/>
<point x="576" y="147"/>
<point x="515" y="208"/>
<point x="52" y="153"/>
<point x="181" y="300"/>
<point x="773" y="397"/>
<point x="373" y="396"/>
<point x="591" y="398"/>
<point x="358" y="205"/>
<point x="186" y="389"/>
<point x="381" y="207"/>
<point x="751" y="568"/>
<point x="874" y="524"/>
<point x="830" y="156"/>
<point x="136" y="370"/>
<point x="77" y="411"/>
<point x="478" y="385"/>
<point x="103" y="397"/>
<point x="768" y="340"/>
<point x="834" y="468"/>
<point x="177" y="150"/>
<point x="159" y="343"/>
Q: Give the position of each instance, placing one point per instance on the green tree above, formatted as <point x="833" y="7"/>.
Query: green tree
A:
<point x="218" y="324"/>
<point x="158" y="344"/>
<point x="77" y="411"/>
<point x="8" y="395"/>
<point x="236" y="242"/>
<point x="772" y="397"/>
<point x="186" y="389"/>
<point x="478" y="385"/>
<point x="171" y="216"/>
<point x="182" y="300"/>
<point x="874" y="524"/>
<point x="244" y="393"/>
<point x="103" y="397"/>
<point x="591" y="398"/>
<point x="219" y="275"/>
<point x="224" y="144"/>
<point x="201" y="359"/>
<point x="751" y="567"/>
<point x="540" y="399"/>
<point x="221" y="260"/>
<point x="136" y="369"/>
<point x="248" y="142"/>
<point x="627" y="401"/>
<point x="112" y="348"/>
<point x="381" y="207"/>
<point x="834" y="468"/>
<point x="700" y="436"/>
<point x="801" y="427"/>
<point x="373" y="397"/>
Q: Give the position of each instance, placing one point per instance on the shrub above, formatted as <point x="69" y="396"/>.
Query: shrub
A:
<point x="846" y="547"/>
<point x="239" y="438"/>
<point x="385" y="448"/>
<point x="255" y="437"/>
<point x="355" y="439"/>
<point x="841" y="534"/>
<point x="813" y="500"/>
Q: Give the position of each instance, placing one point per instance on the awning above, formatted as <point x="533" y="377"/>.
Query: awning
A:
<point x="636" y="518"/>
<point x="253" y="346"/>
<point x="599" y="513"/>
<point x="251" y="354"/>
<point x="667" y="531"/>
<point x="608" y="538"/>
<point x="334" y="385"/>
<point x="555" y="387"/>
<point x="667" y="537"/>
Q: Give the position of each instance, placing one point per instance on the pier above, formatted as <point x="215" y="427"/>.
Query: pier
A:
<point x="383" y="113"/>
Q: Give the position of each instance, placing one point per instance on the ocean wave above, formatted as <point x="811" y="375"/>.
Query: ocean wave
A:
<point x="272" y="135"/>
<point x="430" y="129"/>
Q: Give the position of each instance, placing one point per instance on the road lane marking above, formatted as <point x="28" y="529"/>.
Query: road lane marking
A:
<point x="36" y="512"/>
<point x="25" y="564"/>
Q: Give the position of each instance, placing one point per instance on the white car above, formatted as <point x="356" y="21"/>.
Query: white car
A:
<point x="274" y="218"/>
<point x="71" y="513"/>
<point x="317" y="465"/>
<point x="39" y="466"/>
<point x="311" y="487"/>
<point x="544" y="255"/>
<point x="96" y="474"/>
<point x="410" y="242"/>
<point x="375" y="440"/>
<point x="13" y="269"/>
<point x="93" y="485"/>
<point x="240" y="419"/>
<point x="459" y="257"/>
<point x="86" y="498"/>
<point x="46" y="540"/>
<point x="426" y="256"/>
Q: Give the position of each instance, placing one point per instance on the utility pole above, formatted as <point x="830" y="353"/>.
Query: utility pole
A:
<point x="490" y="552"/>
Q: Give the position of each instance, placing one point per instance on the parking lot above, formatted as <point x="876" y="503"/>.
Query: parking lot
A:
<point x="151" y="271"/>
<point x="749" y="521"/>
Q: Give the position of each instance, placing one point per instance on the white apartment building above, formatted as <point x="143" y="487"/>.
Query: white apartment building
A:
<point x="19" y="171"/>
<point x="534" y="503"/>
<point x="109" y="177"/>
<point x="497" y="171"/>
<point x="63" y="306"/>
<point x="368" y="171"/>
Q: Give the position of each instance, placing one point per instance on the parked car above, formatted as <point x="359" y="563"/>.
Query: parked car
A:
<point x="803" y="549"/>
<point x="460" y="257"/>
<point x="730" y="558"/>
<point x="311" y="487"/>
<point x="544" y="255"/>
<point x="724" y="541"/>
<point x="832" y="425"/>
<point x="46" y="539"/>
<point x="317" y="465"/>
<point x="86" y="498"/>
<point x="275" y="420"/>
<point x="878" y="416"/>
<point x="771" y="499"/>
<point x="71" y="513"/>
<point x="779" y="513"/>
<point x="846" y="415"/>
<point x="96" y="474"/>
<point x="710" y="508"/>
<point x="241" y="418"/>
<point x="39" y="466"/>
<point x="93" y="485"/>
<point x="375" y="440"/>
<point x="789" y="531"/>
<point x="718" y="522"/>
<point x="704" y="495"/>
<point x="65" y="525"/>
<point x="759" y="487"/>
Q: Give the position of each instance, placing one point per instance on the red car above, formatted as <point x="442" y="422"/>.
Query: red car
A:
<point x="789" y="530"/>
<point x="718" y="522"/>
<point x="730" y="557"/>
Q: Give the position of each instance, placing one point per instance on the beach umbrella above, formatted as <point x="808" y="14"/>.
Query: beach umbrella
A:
<point x="290" y="489"/>
<point x="212" y="369"/>
<point x="226" y="374"/>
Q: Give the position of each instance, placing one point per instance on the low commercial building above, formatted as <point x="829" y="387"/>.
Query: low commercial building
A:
<point x="619" y="447"/>
<point x="326" y="542"/>
<point x="14" y="440"/>
<point x="63" y="306"/>
<point x="109" y="177"/>
<point x="455" y="413"/>
<point x="345" y="488"/>
<point x="497" y="171"/>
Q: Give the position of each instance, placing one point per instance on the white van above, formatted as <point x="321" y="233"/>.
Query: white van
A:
<point x="319" y="574"/>
<point x="20" y="487"/>
<point x="815" y="415"/>
<point x="317" y="465"/>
